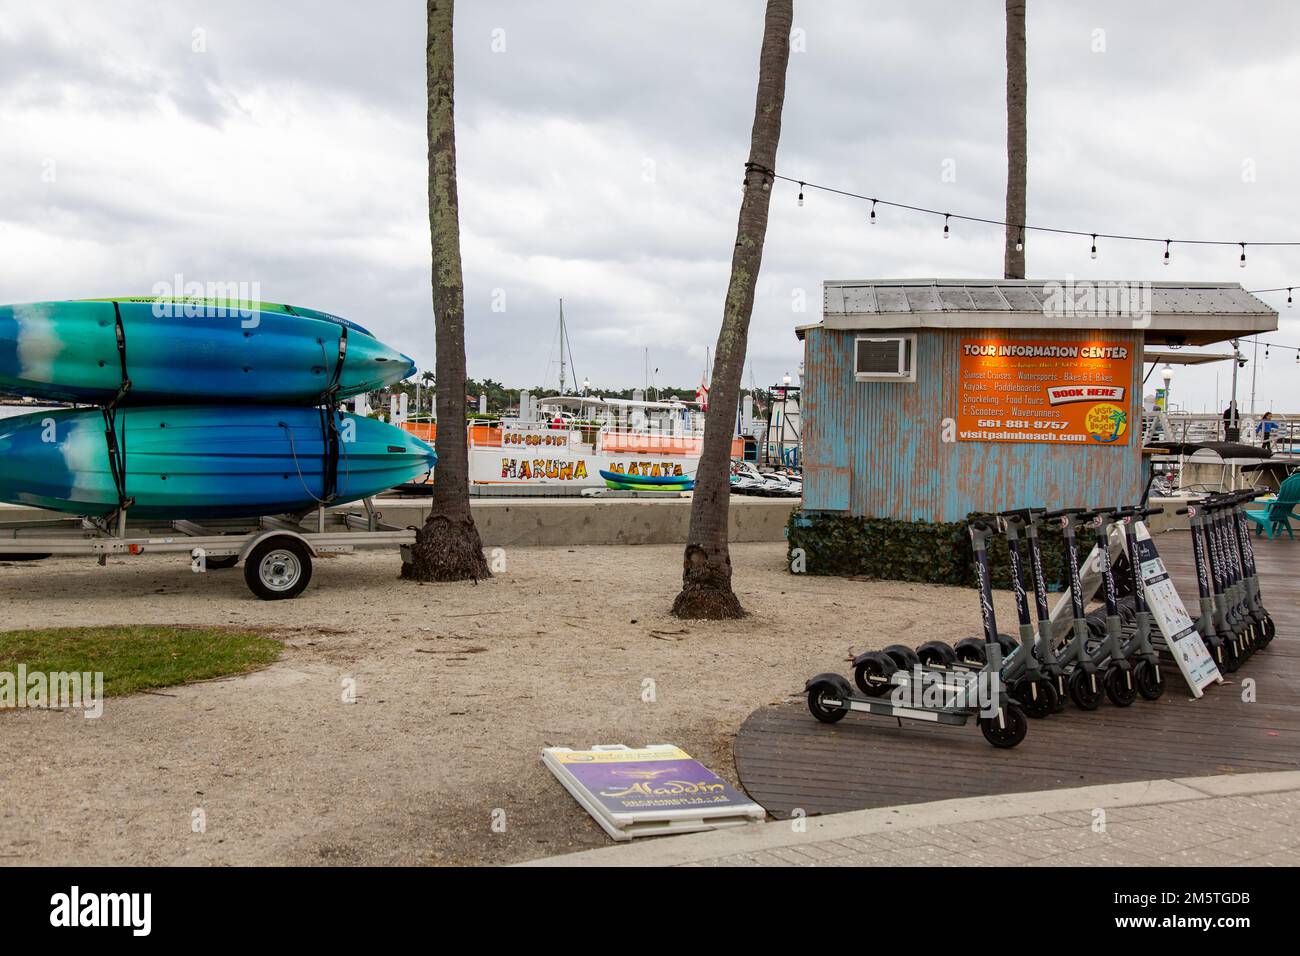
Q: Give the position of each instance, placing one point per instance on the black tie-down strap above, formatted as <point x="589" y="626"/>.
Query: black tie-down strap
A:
<point x="330" y="395"/>
<point x="117" y="446"/>
<point x="329" y="423"/>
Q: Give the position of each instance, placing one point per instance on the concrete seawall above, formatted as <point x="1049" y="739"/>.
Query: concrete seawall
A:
<point x="503" y="522"/>
<point x="559" y="521"/>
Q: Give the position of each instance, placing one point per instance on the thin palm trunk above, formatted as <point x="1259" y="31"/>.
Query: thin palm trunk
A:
<point x="706" y="574"/>
<point x="1017" y="155"/>
<point x="448" y="547"/>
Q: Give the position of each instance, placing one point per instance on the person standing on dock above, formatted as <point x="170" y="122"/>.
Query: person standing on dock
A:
<point x="1265" y="428"/>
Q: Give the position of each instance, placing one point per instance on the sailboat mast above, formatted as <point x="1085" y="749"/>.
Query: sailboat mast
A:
<point x="561" y="346"/>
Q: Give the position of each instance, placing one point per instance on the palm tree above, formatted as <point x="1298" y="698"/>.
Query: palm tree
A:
<point x="428" y="380"/>
<point x="1017" y="156"/>
<point x="706" y="574"/>
<point x="448" y="547"/>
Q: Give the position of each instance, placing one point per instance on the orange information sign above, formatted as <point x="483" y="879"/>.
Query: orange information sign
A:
<point x="1060" y="391"/>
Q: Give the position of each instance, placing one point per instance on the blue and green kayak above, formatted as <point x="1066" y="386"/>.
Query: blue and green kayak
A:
<point x="202" y="461"/>
<point x="188" y="351"/>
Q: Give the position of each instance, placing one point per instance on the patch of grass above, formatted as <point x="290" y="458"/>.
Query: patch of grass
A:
<point x="133" y="659"/>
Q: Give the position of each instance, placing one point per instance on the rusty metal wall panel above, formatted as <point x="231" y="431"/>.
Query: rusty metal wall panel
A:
<point x="876" y="448"/>
<point x="827" y="395"/>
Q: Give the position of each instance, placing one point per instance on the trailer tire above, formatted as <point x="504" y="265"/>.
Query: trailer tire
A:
<point x="223" y="563"/>
<point x="278" y="568"/>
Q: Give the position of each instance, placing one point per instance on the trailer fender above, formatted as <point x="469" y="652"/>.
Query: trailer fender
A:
<point x="267" y="535"/>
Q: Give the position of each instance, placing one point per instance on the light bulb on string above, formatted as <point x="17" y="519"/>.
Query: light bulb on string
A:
<point x="1093" y="253"/>
<point x="801" y="194"/>
<point x="1288" y="298"/>
<point x="1242" y="263"/>
<point x="1265" y="350"/>
<point x="873" y="212"/>
<point x="1167" y="252"/>
<point x="1020" y="240"/>
<point x="945" y="225"/>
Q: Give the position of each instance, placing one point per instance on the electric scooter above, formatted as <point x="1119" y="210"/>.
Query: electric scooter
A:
<point x="1266" y="628"/>
<point x="1027" y="680"/>
<point x="1139" y="648"/>
<point x="980" y="694"/>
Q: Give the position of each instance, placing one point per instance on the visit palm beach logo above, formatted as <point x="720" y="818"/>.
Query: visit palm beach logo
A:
<point x="1106" y="423"/>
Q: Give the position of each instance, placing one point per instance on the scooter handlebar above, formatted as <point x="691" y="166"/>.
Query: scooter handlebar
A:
<point x="1062" y="512"/>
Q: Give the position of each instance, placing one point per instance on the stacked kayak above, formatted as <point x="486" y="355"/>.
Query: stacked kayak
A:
<point x="620" y="481"/>
<point x="202" y="461"/>
<point x="69" y="352"/>
<point x="202" y="415"/>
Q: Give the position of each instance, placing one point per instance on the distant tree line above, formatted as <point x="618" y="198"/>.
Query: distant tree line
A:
<point x="501" y="400"/>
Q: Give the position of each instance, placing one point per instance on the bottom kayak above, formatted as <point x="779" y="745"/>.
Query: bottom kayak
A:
<point x="670" y="481"/>
<point x="637" y="486"/>
<point x="202" y="461"/>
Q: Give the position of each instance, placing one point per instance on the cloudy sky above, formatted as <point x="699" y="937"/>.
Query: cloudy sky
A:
<point x="601" y="146"/>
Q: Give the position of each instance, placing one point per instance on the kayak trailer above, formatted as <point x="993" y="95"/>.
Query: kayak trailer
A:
<point x="276" y="551"/>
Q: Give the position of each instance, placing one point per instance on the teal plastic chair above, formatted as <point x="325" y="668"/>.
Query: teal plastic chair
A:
<point x="1278" y="514"/>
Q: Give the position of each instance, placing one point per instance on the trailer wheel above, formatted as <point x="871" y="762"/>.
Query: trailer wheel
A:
<point x="278" y="568"/>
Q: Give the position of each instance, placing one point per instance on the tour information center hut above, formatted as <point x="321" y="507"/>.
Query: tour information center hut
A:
<point x="928" y="399"/>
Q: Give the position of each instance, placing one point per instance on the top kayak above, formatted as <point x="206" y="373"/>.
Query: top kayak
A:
<point x="188" y="351"/>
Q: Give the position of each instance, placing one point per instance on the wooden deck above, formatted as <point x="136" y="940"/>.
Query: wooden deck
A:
<point x="788" y="760"/>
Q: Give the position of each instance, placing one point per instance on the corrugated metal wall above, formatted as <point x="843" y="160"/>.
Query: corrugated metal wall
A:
<point x="876" y="448"/>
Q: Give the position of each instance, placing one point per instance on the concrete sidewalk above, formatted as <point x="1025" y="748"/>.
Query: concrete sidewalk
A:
<point x="1235" y="820"/>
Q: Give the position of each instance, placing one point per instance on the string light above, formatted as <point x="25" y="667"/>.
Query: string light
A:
<point x="1020" y="240"/>
<point x="1093" y="253"/>
<point x="1022" y="228"/>
<point x="1269" y="345"/>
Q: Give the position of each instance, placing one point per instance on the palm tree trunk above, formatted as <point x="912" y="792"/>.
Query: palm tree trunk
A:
<point x="1017" y="155"/>
<point x="448" y="547"/>
<point x="706" y="575"/>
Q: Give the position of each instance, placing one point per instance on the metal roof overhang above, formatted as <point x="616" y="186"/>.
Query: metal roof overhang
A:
<point x="1173" y="330"/>
<point x="1156" y="356"/>
<point x="1180" y="313"/>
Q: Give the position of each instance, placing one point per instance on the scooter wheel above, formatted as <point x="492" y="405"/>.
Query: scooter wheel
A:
<point x="1008" y="644"/>
<point x="826" y="713"/>
<point x="1085" y="689"/>
<point x="1270" y="629"/>
<point x="1148" y="680"/>
<point x="970" y="650"/>
<point x="1062" y="693"/>
<point x="1007" y="731"/>
<point x="1037" y="697"/>
<point x="1120" y="686"/>
<point x="936" y="654"/>
<point x="873" y="673"/>
<point x="1231" y="655"/>
<point x="903" y="656"/>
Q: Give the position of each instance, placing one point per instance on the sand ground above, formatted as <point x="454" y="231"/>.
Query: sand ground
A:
<point x="458" y="688"/>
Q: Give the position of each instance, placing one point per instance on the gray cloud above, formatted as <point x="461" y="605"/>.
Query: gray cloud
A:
<point x="600" y="157"/>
